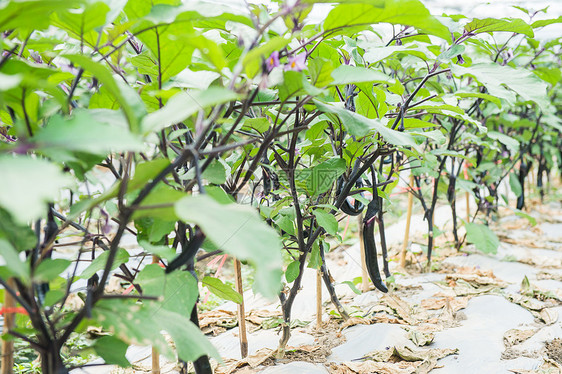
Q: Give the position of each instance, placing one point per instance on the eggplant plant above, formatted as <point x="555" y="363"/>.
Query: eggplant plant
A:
<point x="139" y="137"/>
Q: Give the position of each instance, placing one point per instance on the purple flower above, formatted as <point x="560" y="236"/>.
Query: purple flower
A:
<point x="272" y="61"/>
<point x="296" y="63"/>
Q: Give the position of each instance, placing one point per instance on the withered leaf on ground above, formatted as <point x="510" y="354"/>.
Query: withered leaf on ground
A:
<point x="548" y="367"/>
<point x="253" y="361"/>
<point x="369" y="367"/>
<point x="455" y="303"/>
<point x="399" y="307"/>
<point x="420" y="338"/>
<point x="357" y="321"/>
<point x="548" y="316"/>
<point x="516" y="336"/>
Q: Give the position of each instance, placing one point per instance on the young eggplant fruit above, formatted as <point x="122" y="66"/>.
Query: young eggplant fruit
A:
<point x="370" y="248"/>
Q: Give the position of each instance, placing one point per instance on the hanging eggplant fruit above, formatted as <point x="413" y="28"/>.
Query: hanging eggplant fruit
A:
<point x="350" y="209"/>
<point x="369" y="240"/>
<point x="372" y="215"/>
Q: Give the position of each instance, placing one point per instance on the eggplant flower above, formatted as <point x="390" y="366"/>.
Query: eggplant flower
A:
<point x="296" y="63"/>
<point x="273" y="61"/>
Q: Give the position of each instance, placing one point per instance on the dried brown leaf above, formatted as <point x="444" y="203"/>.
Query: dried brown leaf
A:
<point x="548" y="315"/>
<point x="516" y="336"/>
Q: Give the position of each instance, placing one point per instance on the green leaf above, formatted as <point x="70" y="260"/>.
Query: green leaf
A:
<point x="190" y="343"/>
<point x="215" y="173"/>
<point x="177" y="291"/>
<point x="451" y="53"/>
<point x="414" y="123"/>
<point x="550" y="75"/>
<point x="144" y="64"/>
<point x="141" y="324"/>
<point x="20" y="236"/>
<point x="435" y="107"/>
<point x="359" y="125"/>
<point x="31" y="14"/>
<point x="352" y="286"/>
<point x="293" y="83"/>
<point x="508" y="141"/>
<point x="15" y="266"/>
<point x="78" y="23"/>
<point x="435" y="135"/>
<point x="494" y="77"/>
<point x="482" y="237"/>
<point x="49" y="269"/>
<point x="504" y="24"/>
<point x="448" y="152"/>
<point x="239" y="231"/>
<point x="161" y="251"/>
<point x="285" y="223"/>
<point x="322" y="176"/>
<point x="292" y="272"/>
<point x="134" y="323"/>
<point x="7" y="82"/>
<point x="28" y="184"/>
<point x="326" y="221"/>
<point x="546" y="22"/>
<point x="126" y="96"/>
<point x="219" y="195"/>
<point x="315" y="260"/>
<point x="183" y="105"/>
<point x="53" y="296"/>
<point x="83" y="133"/>
<point x="479" y="95"/>
<point x="170" y="46"/>
<point x="320" y="71"/>
<point x="346" y="74"/>
<point x="162" y="199"/>
<point x="361" y="15"/>
<point x="260" y="124"/>
<point x="253" y="60"/>
<point x="100" y="261"/>
<point x="375" y="53"/>
<point x="222" y="290"/>
<point x="112" y="350"/>
<point x="532" y="220"/>
<point x="514" y="184"/>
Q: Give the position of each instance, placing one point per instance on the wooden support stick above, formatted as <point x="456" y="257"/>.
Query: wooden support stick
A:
<point x="155" y="354"/>
<point x="241" y="313"/>
<point x="532" y="180"/>
<point x="9" y="324"/>
<point x="467" y="206"/>
<point x="318" y="298"/>
<point x="364" y="274"/>
<point x="407" y="228"/>
<point x="155" y="361"/>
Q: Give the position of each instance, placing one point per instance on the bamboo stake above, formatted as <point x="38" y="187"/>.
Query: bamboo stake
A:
<point x="532" y="180"/>
<point x="155" y="361"/>
<point x="467" y="206"/>
<point x="466" y="194"/>
<point x="318" y="298"/>
<point x="9" y="324"/>
<point x="408" y="220"/>
<point x="241" y="313"/>
<point x="155" y="354"/>
<point x="364" y="274"/>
